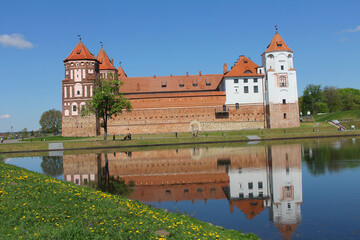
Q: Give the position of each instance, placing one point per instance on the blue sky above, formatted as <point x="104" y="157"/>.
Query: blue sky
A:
<point x="166" y="37"/>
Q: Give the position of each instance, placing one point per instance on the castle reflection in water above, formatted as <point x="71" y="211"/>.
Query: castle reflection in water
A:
<point x="251" y="178"/>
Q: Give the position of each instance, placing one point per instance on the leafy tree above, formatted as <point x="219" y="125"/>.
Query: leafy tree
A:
<point x="50" y="121"/>
<point x="332" y="98"/>
<point x="107" y="102"/>
<point x="311" y="96"/>
<point x="350" y="99"/>
<point x="24" y="133"/>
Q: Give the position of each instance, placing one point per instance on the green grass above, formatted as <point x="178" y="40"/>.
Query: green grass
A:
<point x="312" y="129"/>
<point x="52" y="139"/>
<point x="354" y="115"/>
<point x="33" y="206"/>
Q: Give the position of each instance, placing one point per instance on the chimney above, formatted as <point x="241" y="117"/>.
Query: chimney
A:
<point x="225" y="68"/>
<point x="112" y="61"/>
<point x="200" y="73"/>
<point x="170" y="75"/>
<point x="187" y="74"/>
<point x="154" y="76"/>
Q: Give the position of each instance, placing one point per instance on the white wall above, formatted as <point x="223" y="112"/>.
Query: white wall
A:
<point x="235" y="91"/>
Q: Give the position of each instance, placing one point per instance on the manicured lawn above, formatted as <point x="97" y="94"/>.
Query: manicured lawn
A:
<point x="33" y="206"/>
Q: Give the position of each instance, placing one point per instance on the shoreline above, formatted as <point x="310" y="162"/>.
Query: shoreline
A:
<point x="191" y="141"/>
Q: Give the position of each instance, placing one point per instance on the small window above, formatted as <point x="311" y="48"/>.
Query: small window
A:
<point x="282" y="67"/>
<point x="237" y="105"/>
<point x="248" y="71"/>
<point x="251" y="195"/>
<point x="246" y="89"/>
<point x="241" y="195"/>
<point x="78" y="92"/>
<point x="284" y="115"/>
<point x="261" y="194"/>
<point x="256" y="80"/>
<point x="260" y="185"/>
<point x="181" y="85"/>
<point x="236" y="80"/>
<point x="163" y="85"/>
<point x="259" y="70"/>
<point x="289" y="206"/>
<point x="245" y="80"/>
<point x="74" y="108"/>
<point x="208" y="84"/>
<point x="284" y="101"/>
<point x="195" y="84"/>
<point x="250" y="185"/>
<point x="256" y="89"/>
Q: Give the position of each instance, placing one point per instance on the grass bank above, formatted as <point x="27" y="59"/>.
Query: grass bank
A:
<point x="307" y="130"/>
<point x="35" y="206"/>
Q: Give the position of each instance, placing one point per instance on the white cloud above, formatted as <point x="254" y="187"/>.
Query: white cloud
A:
<point x="357" y="29"/>
<point x="5" y="116"/>
<point x="15" y="40"/>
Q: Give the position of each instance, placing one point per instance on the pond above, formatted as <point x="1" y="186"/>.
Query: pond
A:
<point x="297" y="190"/>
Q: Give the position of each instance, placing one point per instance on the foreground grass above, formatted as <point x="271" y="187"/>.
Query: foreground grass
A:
<point x="35" y="206"/>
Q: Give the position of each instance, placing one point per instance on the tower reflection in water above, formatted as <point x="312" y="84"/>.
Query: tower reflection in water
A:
<point x="251" y="178"/>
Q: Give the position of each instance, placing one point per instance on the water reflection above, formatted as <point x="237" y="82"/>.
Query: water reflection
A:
<point x="249" y="178"/>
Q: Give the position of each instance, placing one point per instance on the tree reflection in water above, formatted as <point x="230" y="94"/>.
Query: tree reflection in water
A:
<point x="113" y="185"/>
<point x="52" y="165"/>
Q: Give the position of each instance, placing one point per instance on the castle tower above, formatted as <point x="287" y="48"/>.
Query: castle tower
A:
<point x="81" y="72"/>
<point x="280" y="85"/>
<point x="106" y="66"/>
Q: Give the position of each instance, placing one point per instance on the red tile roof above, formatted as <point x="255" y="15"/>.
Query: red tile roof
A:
<point x="165" y="84"/>
<point x="277" y="44"/>
<point x="80" y="52"/>
<point x="105" y="63"/>
<point x="121" y="73"/>
<point x="244" y="67"/>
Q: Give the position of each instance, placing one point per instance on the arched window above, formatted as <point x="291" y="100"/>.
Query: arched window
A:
<point x="74" y="108"/>
<point x="237" y="105"/>
<point x="248" y="71"/>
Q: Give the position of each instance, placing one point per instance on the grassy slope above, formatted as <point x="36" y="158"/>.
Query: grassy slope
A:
<point x="355" y="115"/>
<point x="36" y="206"/>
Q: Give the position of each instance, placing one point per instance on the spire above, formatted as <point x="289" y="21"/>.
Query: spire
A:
<point x="121" y="72"/>
<point x="277" y="44"/>
<point x="243" y="67"/>
<point x="80" y="52"/>
<point x="105" y="63"/>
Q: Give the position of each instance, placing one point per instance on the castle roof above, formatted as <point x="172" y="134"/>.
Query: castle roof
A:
<point x="244" y="67"/>
<point x="277" y="44"/>
<point x="121" y="73"/>
<point x="80" y="52"/>
<point x="105" y="62"/>
<point x="165" y="84"/>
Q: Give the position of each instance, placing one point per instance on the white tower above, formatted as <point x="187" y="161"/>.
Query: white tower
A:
<point x="280" y="85"/>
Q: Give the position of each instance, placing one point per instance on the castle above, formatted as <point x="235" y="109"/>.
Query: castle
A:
<point x="247" y="96"/>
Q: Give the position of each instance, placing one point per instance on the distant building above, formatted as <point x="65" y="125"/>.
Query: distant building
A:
<point x="247" y="96"/>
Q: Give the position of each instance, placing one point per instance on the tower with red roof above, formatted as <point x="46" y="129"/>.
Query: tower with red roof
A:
<point x="81" y="73"/>
<point x="281" y="97"/>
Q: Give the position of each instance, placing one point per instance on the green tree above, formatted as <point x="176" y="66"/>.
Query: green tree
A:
<point x="52" y="165"/>
<point x="332" y="98"/>
<point x="107" y="102"/>
<point x="50" y="121"/>
<point x="311" y="97"/>
<point x="24" y="133"/>
<point x="350" y="99"/>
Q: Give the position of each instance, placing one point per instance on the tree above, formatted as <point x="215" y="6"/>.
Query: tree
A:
<point x="311" y="97"/>
<point x="50" y="121"/>
<point x="24" y="133"/>
<point x="52" y="165"/>
<point x="107" y="102"/>
<point x="332" y="98"/>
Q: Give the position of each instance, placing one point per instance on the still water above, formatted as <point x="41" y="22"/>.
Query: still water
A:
<point x="297" y="190"/>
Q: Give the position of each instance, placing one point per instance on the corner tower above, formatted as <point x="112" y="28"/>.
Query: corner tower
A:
<point x="81" y="73"/>
<point x="282" y="108"/>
